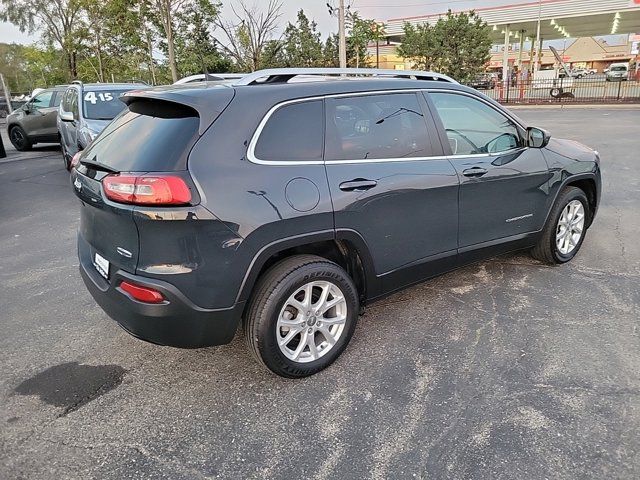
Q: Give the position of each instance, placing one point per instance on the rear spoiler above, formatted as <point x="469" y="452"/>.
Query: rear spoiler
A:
<point x="208" y="101"/>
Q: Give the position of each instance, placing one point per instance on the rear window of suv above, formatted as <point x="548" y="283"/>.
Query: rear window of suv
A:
<point x="151" y="135"/>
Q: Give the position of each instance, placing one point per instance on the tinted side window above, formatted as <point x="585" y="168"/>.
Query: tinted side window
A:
<point x="74" y="104"/>
<point x="293" y="132"/>
<point x="56" y="99"/>
<point x="66" y="101"/>
<point x="376" y="126"/>
<point x="42" y="100"/>
<point x="474" y="127"/>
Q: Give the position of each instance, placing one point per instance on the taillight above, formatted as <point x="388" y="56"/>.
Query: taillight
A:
<point x="146" y="189"/>
<point x="143" y="294"/>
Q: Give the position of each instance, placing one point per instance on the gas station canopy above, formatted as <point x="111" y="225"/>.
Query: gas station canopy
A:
<point x="558" y="19"/>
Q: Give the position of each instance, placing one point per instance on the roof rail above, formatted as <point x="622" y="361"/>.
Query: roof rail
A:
<point x="283" y="75"/>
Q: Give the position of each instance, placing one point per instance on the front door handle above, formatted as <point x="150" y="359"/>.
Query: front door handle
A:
<point x="357" y="185"/>
<point x="474" y="172"/>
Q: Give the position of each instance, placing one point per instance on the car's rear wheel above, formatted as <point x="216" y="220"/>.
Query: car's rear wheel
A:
<point x="301" y="316"/>
<point x="564" y="232"/>
<point x="19" y="138"/>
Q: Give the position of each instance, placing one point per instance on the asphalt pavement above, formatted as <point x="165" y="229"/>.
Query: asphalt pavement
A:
<point x="507" y="369"/>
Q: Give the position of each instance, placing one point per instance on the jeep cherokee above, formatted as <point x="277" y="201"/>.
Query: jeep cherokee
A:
<point x="288" y="203"/>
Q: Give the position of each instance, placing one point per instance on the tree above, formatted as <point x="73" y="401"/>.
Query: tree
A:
<point x="196" y="50"/>
<point x="58" y="20"/>
<point x="165" y="14"/>
<point x="249" y="33"/>
<point x="361" y="32"/>
<point x="418" y="45"/>
<point x="113" y="38"/>
<point x="302" y="46"/>
<point x="457" y="45"/>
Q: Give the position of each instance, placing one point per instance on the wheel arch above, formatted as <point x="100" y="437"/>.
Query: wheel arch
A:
<point x="589" y="187"/>
<point x="345" y="248"/>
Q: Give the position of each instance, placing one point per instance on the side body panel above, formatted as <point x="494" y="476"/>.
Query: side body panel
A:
<point x="508" y="198"/>
<point x="259" y="205"/>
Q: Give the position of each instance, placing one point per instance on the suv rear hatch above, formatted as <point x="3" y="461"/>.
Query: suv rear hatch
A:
<point x="151" y="139"/>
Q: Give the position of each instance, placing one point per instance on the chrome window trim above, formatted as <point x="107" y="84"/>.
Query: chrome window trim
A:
<point x="254" y="139"/>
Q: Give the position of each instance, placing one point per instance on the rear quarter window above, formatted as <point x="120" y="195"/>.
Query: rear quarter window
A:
<point x="293" y="132"/>
<point x="150" y="135"/>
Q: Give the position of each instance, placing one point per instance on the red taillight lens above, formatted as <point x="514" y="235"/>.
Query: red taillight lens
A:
<point x="147" y="189"/>
<point x="74" y="160"/>
<point x="143" y="294"/>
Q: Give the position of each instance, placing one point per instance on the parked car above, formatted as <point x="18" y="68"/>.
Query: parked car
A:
<point x="579" y="73"/>
<point x="209" y="77"/>
<point x="35" y="121"/>
<point x="617" y="72"/>
<point x="86" y="109"/>
<point x="290" y="206"/>
<point x="483" y="81"/>
<point x="592" y="71"/>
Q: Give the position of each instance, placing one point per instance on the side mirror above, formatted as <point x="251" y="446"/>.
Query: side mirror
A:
<point x="28" y="108"/>
<point x="66" y="116"/>
<point x="537" y="137"/>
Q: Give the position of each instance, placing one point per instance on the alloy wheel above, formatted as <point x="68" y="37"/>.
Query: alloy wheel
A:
<point x="570" y="227"/>
<point x="17" y="137"/>
<point x="311" y="321"/>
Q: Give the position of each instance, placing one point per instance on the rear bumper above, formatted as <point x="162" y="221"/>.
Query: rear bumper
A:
<point x="176" y="322"/>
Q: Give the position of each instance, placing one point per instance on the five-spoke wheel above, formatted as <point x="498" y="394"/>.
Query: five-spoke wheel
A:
<point x="564" y="231"/>
<point x="301" y="315"/>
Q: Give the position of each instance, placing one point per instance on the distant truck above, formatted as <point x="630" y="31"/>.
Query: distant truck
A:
<point x="559" y="81"/>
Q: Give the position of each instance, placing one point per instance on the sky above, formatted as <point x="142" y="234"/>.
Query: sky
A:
<point x="317" y="10"/>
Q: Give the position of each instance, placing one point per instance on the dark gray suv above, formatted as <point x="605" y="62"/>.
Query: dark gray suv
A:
<point x="288" y="204"/>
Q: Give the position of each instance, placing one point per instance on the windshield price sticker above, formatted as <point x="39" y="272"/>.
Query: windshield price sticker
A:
<point x="93" y="98"/>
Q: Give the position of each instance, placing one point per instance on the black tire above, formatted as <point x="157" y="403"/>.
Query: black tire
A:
<point x="272" y="291"/>
<point x="546" y="249"/>
<point x="19" y="139"/>
<point x="65" y="157"/>
<point x="555" y="92"/>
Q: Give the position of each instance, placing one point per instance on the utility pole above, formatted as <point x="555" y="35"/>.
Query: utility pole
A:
<point x="342" y="36"/>
<point x="7" y="96"/>
<point x="536" y="65"/>
<point x="341" y="13"/>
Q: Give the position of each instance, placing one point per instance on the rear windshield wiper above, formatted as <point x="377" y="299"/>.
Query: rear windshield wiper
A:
<point x="98" y="166"/>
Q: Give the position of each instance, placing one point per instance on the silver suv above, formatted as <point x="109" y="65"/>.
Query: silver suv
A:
<point x="86" y="109"/>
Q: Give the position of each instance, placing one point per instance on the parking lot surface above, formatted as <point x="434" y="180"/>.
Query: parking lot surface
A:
<point x="506" y="369"/>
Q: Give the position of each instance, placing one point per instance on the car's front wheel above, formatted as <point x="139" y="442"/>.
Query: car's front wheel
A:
<point x="566" y="226"/>
<point x="301" y="316"/>
<point x="19" y="138"/>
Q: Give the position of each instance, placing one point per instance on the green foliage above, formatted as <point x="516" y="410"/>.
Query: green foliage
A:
<point x="457" y="45"/>
<point x="302" y="46"/>
<point x="361" y="32"/>
<point x="59" y="22"/>
<point x="196" y="50"/>
<point x="28" y="67"/>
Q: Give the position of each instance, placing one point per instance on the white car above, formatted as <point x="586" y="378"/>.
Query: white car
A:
<point x="209" y="77"/>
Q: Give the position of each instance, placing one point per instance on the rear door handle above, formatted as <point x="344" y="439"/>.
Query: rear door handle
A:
<point x="357" y="185"/>
<point x="474" y="172"/>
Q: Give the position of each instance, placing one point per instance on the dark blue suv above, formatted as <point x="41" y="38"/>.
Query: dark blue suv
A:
<point x="293" y="197"/>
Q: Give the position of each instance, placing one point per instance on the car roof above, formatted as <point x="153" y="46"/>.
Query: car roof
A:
<point x="111" y="86"/>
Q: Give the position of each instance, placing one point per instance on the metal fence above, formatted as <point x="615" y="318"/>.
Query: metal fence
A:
<point x="591" y="89"/>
